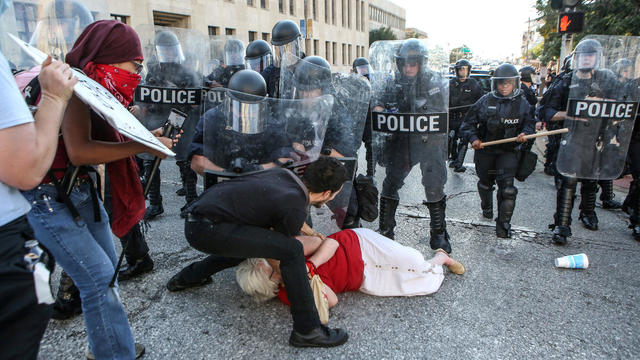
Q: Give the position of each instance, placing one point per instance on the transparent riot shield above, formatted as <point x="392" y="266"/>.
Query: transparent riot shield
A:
<point x="58" y="23"/>
<point x="410" y="119"/>
<point x="601" y="107"/>
<point x="226" y="58"/>
<point x="247" y="134"/>
<point x="303" y="78"/>
<point x="174" y="62"/>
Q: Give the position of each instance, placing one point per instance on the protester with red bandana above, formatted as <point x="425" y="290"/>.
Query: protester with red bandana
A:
<point x="79" y="235"/>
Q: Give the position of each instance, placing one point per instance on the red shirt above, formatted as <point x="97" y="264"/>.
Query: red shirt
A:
<point x="344" y="271"/>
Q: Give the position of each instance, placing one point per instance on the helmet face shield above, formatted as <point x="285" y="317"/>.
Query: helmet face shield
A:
<point x="364" y="70"/>
<point x="586" y="61"/>
<point x="170" y="54"/>
<point x="505" y="87"/>
<point x="246" y="117"/>
<point x="234" y="58"/>
<point x="259" y="64"/>
<point x="292" y="48"/>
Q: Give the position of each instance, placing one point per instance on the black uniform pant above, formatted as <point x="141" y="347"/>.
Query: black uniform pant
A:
<point x="245" y="241"/>
<point x="496" y="167"/>
<point x="634" y="165"/>
<point x="22" y="320"/>
<point x="553" y="145"/>
<point x="401" y="155"/>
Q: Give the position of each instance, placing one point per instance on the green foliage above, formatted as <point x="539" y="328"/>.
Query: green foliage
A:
<point x="602" y="17"/>
<point x="383" y="33"/>
<point x="457" y="54"/>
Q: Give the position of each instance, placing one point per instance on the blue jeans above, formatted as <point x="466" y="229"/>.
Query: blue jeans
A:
<point x="85" y="251"/>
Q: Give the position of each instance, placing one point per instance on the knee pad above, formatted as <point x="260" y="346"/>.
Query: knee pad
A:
<point x="509" y="192"/>
<point x="485" y="187"/>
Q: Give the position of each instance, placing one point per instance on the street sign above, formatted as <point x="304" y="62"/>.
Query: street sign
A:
<point x="570" y="22"/>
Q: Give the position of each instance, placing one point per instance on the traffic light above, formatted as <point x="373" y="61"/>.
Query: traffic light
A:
<point x="563" y="4"/>
<point x="570" y="22"/>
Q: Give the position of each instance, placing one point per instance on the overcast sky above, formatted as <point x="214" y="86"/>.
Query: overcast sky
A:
<point x="491" y="28"/>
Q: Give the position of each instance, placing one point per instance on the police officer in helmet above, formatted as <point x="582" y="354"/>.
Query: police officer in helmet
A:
<point x="286" y="39"/>
<point x="233" y="62"/>
<point x="362" y="67"/>
<point x="258" y="55"/>
<point x="464" y="91"/>
<point x="416" y="89"/>
<point x="503" y="113"/>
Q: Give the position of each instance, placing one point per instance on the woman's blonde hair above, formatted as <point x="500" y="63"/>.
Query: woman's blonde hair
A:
<point x="254" y="281"/>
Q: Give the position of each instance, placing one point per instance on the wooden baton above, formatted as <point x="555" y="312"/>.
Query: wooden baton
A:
<point x="532" y="136"/>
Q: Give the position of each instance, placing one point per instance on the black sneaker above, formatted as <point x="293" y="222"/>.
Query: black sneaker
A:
<point x="153" y="211"/>
<point x="319" y="337"/>
<point x="181" y="192"/>
<point x="141" y="266"/>
<point x="63" y="310"/>
<point x="176" y="283"/>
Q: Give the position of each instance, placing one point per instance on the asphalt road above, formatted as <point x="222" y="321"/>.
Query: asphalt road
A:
<point x="512" y="302"/>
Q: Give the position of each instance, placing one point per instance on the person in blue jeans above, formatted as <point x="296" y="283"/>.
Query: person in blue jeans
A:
<point x="75" y="228"/>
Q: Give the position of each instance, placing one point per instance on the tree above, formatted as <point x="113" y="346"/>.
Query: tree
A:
<point x="459" y="53"/>
<point x="383" y="33"/>
<point x="602" y="17"/>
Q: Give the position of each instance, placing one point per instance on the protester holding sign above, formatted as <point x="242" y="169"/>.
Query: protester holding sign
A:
<point x="76" y="229"/>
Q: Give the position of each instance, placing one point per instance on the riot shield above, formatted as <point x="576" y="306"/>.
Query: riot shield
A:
<point x="174" y="62"/>
<point x="58" y="25"/>
<point x="601" y="107"/>
<point x="226" y="58"/>
<point x="301" y="78"/>
<point x="247" y="134"/>
<point x="410" y="97"/>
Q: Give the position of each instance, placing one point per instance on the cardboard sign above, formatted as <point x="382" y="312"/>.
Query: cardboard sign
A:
<point x="601" y="109"/>
<point x="433" y="123"/>
<point x="104" y="104"/>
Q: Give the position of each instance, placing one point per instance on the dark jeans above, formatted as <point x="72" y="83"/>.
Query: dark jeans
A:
<point x="246" y="241"/>
<point x="22" y="320"/>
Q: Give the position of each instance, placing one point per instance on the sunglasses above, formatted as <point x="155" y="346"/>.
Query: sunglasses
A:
<point x="139" y="67"/>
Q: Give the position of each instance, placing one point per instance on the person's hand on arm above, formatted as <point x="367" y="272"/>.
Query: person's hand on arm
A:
<point x="309" y="243"/>
<point x="31" y="146"/>
<point x="200" y="163"/>
<point x="324" y="252"/>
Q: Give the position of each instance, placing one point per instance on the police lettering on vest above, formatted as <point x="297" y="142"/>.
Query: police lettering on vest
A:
<point x="433" y="123"/>
<point x="619" y="110"/>
<point x="159" y="95"/>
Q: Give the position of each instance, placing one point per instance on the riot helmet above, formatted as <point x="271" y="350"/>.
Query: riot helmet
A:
<point x="62" y="19"/>
<point x="233" y="52"/>
<point x="587" y="55"/>
<point x="526" y="73"/>
<point x="362" y="67"/>
<point x="285" y="37"/>
<point x="460" y="65"/>
<point x="168" y="47"/>
<point x="566" y="64"/>
<point x="505" y="82"/>
<point x="412" y="53"/>
<point x="623" y="69"/>
<point x="311" y="77"/>
<point x="258" y="55"/>
<point x="246" y="107"/>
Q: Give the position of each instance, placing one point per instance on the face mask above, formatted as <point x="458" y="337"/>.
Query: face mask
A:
<point x="4" y="5"/>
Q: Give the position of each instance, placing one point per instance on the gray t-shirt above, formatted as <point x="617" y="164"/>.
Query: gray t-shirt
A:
<point x="13" y="112"/>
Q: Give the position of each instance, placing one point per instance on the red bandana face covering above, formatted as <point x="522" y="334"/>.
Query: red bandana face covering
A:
<point x="120" y="83"/>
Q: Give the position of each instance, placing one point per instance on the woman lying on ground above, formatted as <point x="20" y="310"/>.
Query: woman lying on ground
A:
<point x="354" y="260"/>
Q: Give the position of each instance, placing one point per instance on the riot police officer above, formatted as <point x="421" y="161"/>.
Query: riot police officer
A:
<point x="586" y="81"/>
<point x="285" y="38"/>
<point x="258" y="55"/>
<point x="464" y="91"/>
<point x="503" y="113"/>
<point x="632" y="201"/>
<point x="169" y="72"/>
<point x="362" y="67"/>
<point x="233" y="62"/>
<point x="416" y="89"/>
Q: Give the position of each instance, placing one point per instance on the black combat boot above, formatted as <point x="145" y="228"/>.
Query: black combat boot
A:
<point x="628" y="205"/>
<point x="68" y="303"/>
<point x="136" y="252"/>
<point x="506" y="203"/>
<point x="562" y="218"/>
<point x="462" y="152"/>
<point x="607" y="195"/>
<point x="439" y="235"/>
<point x="588" y="194"/>
<point x="387" y="218"/>
<point x="486" y="200"/>
<point x="634" y="218"/>
<point x="155" y="198"/>
<point x="190" y="181"/>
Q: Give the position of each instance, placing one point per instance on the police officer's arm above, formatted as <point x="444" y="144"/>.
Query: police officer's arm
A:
<point x="199" y="162"/>
<point x="528" y="123"/>
<point x="469" y="127"/>
<point x="83" y="150"/>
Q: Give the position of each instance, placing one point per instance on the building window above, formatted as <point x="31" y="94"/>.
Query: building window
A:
<point x="344" y="13"/>
<point x="326" y="11"/>
<point x="229" y="31"/>
<point x="335" y="50"/>
<point x="214" y="30"/>
<point x="349" y="13"/>
<point x="333" y="12"/>
<point x="122" y="18"/>
<point x="344" y="54"/>
<point x="250" y="3"/>
<point x="252" y="36"/>
<point x="357" y="15"/>
<point x="314" y="4"/>
<point x="362" y="16"/>
<point x="292" y="7"/>
<point x="162" y="18"/>
<point x="281" y="6"/>
<point x="350" y="58"/>
<point x="266" y="36"/>
<point x="263" y="4"/>
<point x="316" y="45"/>
<point x="305" y="6"/>
<point x="327" y="51"/>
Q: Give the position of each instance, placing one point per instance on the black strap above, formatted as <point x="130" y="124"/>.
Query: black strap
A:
<point x="68" y="181"/>
<point x="32" y="91"/>
<point x="62" y="196"/>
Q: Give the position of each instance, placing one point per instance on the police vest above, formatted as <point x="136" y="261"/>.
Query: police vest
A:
<point x="503" y="125"/>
